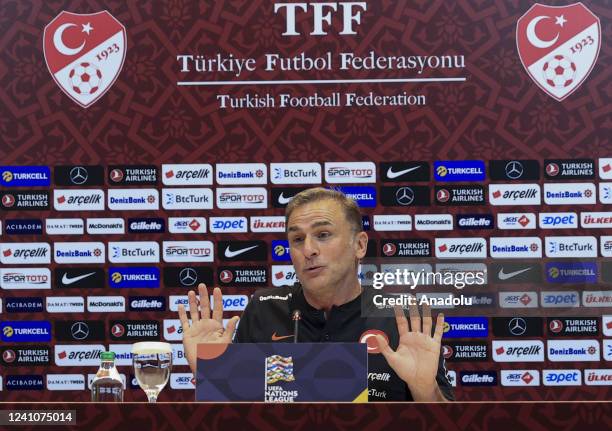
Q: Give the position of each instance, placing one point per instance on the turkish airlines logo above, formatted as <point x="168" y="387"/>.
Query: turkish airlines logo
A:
<point x="558" y="46"/>
<point x="84" y="53"/>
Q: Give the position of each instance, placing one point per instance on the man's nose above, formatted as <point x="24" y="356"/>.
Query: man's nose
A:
<point x="310" y="247"/>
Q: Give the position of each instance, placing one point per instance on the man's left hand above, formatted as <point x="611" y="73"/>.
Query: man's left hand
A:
<point x="416" y="359"/>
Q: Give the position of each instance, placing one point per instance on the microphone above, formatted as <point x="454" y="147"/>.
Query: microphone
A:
<point x="296" y="316"/>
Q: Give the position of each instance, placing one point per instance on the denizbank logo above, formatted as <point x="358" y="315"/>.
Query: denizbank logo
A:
<point x="79" y="252"/>
<point x="242" y="173"/>
<point x="459" y="170"/>
<point x="133" y="199"/>
<point x="133" y="276"/>
<point x="571" y="272"/>
<point x="25" y="176"/>
<point x="35" y="331"/>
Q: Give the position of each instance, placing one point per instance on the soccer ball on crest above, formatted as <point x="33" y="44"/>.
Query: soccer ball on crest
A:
<point x="559" y="72"/>
<point x="85" y="78"/>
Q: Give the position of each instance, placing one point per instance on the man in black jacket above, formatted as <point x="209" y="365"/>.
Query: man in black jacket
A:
<point x="327" y="241"/>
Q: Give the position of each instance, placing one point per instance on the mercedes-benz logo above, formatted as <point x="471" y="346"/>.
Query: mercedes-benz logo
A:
<point x="78" y="175"/>
<point x="188" y="276"/>
<point x="79" y="330"/>
<point x="517" y="326"/>
<point x="514" y="170"/>
<point x="404" y="196"/>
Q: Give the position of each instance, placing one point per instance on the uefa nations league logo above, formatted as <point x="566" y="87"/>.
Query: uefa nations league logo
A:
<point x="558" y="46"/>
<point x="84" y="53"/>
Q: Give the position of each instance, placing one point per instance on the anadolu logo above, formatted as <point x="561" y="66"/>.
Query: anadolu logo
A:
<point x="558" y="46"/>
<point x="84" y="53"/>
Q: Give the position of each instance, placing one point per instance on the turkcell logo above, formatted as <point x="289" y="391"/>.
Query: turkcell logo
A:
<point x="23" y="227"/>
<point x="466" y="327"/>
<point x="35" y="331"/>
<point x="133" y="276"/>
<point x="364" y="196"/>
<point x="459" y="170"/>
<point x="25" y="176"/>
<point x="571" y="272"/>
<point x="280" y="250"/>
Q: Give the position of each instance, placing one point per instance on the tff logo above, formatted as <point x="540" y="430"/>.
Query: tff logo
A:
<point x="84" y="53"/>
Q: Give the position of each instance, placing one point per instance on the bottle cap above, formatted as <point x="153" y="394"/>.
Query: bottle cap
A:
<point x="107" y="356"/>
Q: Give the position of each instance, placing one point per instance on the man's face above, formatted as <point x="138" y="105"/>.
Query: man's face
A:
<point x="324" y="248"/>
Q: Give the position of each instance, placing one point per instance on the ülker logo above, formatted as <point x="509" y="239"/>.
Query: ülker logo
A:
<point x="84" y="53"/>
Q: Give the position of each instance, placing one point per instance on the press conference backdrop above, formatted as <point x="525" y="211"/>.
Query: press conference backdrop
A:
<point x="149" y="146"/>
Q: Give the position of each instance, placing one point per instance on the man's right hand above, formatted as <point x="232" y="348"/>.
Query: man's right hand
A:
<point x="204" y="328"/>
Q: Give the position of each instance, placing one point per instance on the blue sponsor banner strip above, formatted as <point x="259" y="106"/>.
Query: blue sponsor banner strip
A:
<point x="25" y="331"/>
<point x="365" y="196"/>
<point x="133" y="277"/>
<point x="24" y="382"/>
<point x="571" y="272"/>
<point x="459" y="170"/>
<point x="466" y="327"/>
<point x="280" y="250"/>
<point x="25" y="176"/>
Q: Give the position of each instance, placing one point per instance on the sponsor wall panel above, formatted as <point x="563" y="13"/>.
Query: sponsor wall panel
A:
<point x="115" y="201"/>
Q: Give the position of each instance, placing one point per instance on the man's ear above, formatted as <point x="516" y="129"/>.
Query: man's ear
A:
<point x="361" y="244"/>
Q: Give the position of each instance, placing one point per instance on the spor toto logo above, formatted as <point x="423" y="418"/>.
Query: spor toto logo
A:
<point x="369" y="337"/>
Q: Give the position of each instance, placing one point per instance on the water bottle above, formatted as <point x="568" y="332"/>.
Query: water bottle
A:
<point x="107" y="386"/>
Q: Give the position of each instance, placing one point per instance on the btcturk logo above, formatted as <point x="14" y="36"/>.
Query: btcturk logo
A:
<point x="84" y="53"/>
<point x="558" y="46"/>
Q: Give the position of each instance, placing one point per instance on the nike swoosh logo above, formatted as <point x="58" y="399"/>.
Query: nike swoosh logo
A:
<point x="392" y="174"/>
<point x="505" y="276"/>
<point x="229" y="253"/>
<point x="283" y="200"/>
<point x="281" y="337"/>
<point x="71" y="280"/>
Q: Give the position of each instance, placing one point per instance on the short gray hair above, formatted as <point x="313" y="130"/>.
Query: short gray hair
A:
<point x="348" y="205"/>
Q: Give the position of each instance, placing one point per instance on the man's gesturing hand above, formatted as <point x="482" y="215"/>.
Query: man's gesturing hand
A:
<point x="416" y="359"/>
<point x="204" y="328"/>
